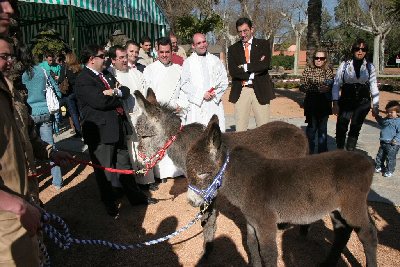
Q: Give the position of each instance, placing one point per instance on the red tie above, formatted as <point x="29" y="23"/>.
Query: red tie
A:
<point x="119" y="109"/>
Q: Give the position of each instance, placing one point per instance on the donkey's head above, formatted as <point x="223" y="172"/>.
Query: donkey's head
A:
<point x="156" y="124"/>
<point x="204" y="160"/>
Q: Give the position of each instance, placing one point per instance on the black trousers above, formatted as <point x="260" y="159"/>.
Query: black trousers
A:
<point x="114" y="156"/>
<point x="356" y="116"/>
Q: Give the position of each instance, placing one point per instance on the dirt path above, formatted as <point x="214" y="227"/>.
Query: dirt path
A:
<point x="78" y="203"/>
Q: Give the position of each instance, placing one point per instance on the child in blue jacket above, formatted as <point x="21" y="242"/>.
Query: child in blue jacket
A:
<point x="389" y="139"/>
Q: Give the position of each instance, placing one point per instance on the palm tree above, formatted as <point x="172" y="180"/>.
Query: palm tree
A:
<point x="314" y="11"/>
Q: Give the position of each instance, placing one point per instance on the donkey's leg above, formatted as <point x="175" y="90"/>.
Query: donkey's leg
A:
<point x="252" y="243"/>
<point x="265" y="228"/>
<point x="342" y="232"/>
<point x="360" y="220"/>
<point x="208" y="222"/>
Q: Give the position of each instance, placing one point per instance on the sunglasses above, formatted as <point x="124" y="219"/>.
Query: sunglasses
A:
<point x="102" y="56"/>
<point x="356" y="49"/>
<point x="319" y="58"/>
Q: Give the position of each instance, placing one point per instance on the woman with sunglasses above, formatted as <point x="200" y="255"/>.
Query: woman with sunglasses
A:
<point x="356" y="79"/>
<point x="317" y="80"/>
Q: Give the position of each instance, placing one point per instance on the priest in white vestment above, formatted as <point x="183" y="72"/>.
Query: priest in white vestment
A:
<point x="204" y="81"/>
<point x="164" y="78"/>
<point x="134" y="80"/>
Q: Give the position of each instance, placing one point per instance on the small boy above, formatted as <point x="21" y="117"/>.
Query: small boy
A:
<point x="389" y="138"/>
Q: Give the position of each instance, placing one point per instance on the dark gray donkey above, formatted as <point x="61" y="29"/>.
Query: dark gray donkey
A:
<point x="158" y="123"/>
<point x="299" y="191"/>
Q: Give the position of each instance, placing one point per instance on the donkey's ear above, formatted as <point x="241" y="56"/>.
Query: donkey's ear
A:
<point x="214" y="136"/>
<point x="141" y="100"/>
<point x="151" y="96"/>
<point x="214" y="119"/>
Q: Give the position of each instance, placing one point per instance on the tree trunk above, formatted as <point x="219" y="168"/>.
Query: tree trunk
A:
<point x="314" y="11"/>
<point x="375" y="59"/>
<point x="296" y="54"/>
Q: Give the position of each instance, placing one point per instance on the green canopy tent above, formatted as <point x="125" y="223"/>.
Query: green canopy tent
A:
<point x="82" y="22"/>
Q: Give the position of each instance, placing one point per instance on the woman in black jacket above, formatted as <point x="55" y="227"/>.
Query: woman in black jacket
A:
<point x="69" y="72"/>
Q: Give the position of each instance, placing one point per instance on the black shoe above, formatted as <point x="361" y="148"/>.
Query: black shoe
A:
<point x="153" y="187"/>
<point x="146" y="201"/>
<point x="112" y="209"/>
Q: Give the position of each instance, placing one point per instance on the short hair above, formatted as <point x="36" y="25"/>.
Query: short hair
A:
<point x="112" y="52"/>
<point x="242" y="21"/>
<point x="48" y="54"/>
<point x="164" y="41"/>
<point x="145" y="39"/>
<point x="131" y="42"/>
<point x="393" y="104"/>
<point x="90" y="51"/>
<point x="357" y="43"/>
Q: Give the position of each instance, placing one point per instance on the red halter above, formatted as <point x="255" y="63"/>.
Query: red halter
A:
<point x="153" y="160"/>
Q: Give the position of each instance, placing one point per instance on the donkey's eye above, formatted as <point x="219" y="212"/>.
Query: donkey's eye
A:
<point x="203" y="175"/>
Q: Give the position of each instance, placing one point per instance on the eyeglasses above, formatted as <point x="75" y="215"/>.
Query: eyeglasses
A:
<point x="7" y="57"/>
<point x="319" y="58"/>
<point x="356" y="49"/>
<point x="102" y="56"/>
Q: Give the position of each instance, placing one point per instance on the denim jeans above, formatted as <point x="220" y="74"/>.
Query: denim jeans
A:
<point x="72" y="107"/>
<point x="43" y="124"/>
<point x="319" y="125"/>
<point x="387" y="152"/>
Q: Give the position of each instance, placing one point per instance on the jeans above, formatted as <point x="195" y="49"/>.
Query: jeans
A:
<point x="43" y="124"/>
<point x="387" y="152"/>
<point x="320" y="125"/>
<point x="72" y="107"/>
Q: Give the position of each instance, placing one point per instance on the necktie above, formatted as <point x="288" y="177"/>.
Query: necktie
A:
<point x="247" y="56"/>
<point x="247" y="52"/>
<point x="119" y="109"/>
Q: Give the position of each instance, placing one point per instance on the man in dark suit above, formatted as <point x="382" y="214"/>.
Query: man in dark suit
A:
<point x="252" y="88"/>
<point x="105" y="127"/>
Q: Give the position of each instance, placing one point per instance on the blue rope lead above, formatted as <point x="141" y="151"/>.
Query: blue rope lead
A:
<point x="64" y="239"/>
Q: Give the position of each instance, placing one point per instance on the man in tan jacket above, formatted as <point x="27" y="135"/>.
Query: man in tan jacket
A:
<point x="19" y="220"/>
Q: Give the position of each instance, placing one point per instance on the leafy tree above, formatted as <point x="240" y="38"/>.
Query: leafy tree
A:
<point x="371" y="16"/>
<point x="48" y="40"/>
<point x="187" y="26"/>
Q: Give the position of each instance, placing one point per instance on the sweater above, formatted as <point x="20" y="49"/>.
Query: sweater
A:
<point x="37" y="90"/>
<point x="390" y="129"/>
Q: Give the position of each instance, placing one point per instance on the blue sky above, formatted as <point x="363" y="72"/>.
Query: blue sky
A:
<point x="330" y="5"/>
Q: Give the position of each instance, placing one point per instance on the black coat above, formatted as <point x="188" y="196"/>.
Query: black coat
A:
<point x="100" y="121"/>
<point x="263" y="86"/>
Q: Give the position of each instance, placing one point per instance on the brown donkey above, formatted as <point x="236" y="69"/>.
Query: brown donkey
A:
<point x="299" y="191"/>
<point x="158" y="123"/>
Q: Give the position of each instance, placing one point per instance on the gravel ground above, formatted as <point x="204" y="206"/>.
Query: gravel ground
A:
<point x="78" y="204"/>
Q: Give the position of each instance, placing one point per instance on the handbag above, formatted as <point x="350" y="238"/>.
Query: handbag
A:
<point x="51" y="97"/>
<point x="64" y="85"/>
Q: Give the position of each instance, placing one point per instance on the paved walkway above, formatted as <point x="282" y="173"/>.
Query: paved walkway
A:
<point x="383" y="189"/>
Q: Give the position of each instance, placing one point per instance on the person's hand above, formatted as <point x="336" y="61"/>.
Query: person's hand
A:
<point x="178" y="109"/>
<point x="262" y="58"/>
<point x="335" y="108"/>
<point x="324" y="88"/>
<point x="109" y="92"/>
<point x="30" y="218"/>
<point x="209" y="95"/>
<point x="375" y="111"/>
<point x="393" y="142"/>
<point x="61" y="157"/>
<point x="56" y="77"/>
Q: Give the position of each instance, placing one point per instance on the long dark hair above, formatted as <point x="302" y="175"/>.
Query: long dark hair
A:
<point x="28" y="61"/>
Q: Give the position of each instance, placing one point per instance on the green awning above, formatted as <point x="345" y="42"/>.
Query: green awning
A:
<point x="92" y="21"/>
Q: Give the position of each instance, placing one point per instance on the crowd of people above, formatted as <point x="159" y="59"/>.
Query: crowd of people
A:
<point x="97" y="90"/>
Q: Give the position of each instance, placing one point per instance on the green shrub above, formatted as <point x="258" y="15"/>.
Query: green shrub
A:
<point x="285" y="61"/>
<point x="287" y="85"/>
<point x="389" y="84"/>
